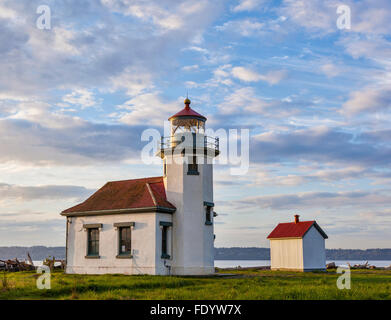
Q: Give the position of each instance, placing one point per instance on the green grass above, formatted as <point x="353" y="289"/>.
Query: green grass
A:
<point x="248" y="284"/>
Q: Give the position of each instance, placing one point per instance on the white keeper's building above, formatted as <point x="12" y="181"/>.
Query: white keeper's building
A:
<point x="298" y="246"/>
<point x="160" y="225"/>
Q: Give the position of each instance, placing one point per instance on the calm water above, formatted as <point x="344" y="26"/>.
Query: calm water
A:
<point x="258" y="263"/>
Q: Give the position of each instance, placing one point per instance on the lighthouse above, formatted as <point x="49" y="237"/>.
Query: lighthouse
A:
<point x="188" y="179"/>
<point x="156" y="225"/>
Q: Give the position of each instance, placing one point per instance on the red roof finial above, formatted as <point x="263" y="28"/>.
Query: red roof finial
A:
<point x="187" y="103"/>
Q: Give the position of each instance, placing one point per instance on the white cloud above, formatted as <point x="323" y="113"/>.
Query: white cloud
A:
<point x="147" y="109"/>
<point x="243" y="99"/>
<point x="245" y="27"/>
<point x="133" y="80"/>
<point x="368" y="16"/>
<point x="368" y="99"/>
<point x="248" y="5"/>
<point x="247" y="75"/>
<point x="190" y="68"/>
<point x="330" y="70"/>
<point x="81" y="97"/>
<point x="171" y="15"/>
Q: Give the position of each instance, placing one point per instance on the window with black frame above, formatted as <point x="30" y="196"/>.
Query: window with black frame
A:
<point x="208" y="215"/>
<point x="125" y="241"/>
<point x="93" y="242"/>
<point x="192" y="167"/>
<point x="164" y="242"/>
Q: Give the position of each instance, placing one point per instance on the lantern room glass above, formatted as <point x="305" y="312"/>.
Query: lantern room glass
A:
<point x="182" y="125"/>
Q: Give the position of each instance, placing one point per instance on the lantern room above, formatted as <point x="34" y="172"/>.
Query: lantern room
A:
<point x="187" y="120"/>
<point x="188" y="131"/>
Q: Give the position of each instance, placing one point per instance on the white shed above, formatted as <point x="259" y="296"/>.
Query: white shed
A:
<point x="298" y="245"/>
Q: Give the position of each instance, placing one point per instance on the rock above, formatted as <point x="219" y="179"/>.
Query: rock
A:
<point x="331" y="265"/>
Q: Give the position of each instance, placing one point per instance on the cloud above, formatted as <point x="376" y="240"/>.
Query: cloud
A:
<point x="243" y="100"/>
<point x="248" y="5"/>
<point x="322" y="144"/>
<point x="330" y="70"/>
<point x="191" y="68"/>
<point x="80" y="144"/>
<point x="90" y="46"/>
<point x="247" y="75"/>
<point x="245" y="27"/>
<point x="133" y="80"/>
<point x="148" y="109"/>
<point x="27" y="193"/>
<point x="367" y="16"/>
<point x="376" y="48"/>
<point x="81" y="97"/>
<point x="324" y="200"/>
<point x="314" y="15"/>
<point x="170" y="15"/>
<point x="368" y="100"/>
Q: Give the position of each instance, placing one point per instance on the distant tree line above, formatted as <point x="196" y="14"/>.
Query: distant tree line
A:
<point x="234" y="253"/>
<point x="253" y="253"/>
<point x="37" y="253"/>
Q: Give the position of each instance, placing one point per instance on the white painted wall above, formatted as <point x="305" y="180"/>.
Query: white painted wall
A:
<point x="145" y="245"/>
<point x="286" y="254"/>
<point x="314" y="250"/>
<point x="193" y="249"/>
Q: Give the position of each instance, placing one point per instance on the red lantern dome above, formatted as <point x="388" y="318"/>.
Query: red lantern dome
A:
<point x="187" y="120"/>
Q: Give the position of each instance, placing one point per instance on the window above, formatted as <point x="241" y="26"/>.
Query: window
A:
<point x="208" y="212"/>
<point x="125" y="242"/>
<point x="93" y="242"/>
<point x="208" y="218"/>
<point x="164" y="167"/>
<point x="165" y="242"/>
<point x="192" y="167"/>
<point x="124" y="239"/>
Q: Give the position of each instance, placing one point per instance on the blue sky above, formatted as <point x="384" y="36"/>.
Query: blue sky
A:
<point x="75" y="99"/>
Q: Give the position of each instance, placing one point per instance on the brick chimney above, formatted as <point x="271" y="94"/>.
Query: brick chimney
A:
<point x="297" y="218"/>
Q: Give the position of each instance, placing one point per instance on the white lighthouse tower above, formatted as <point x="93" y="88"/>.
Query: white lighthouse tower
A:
<point x="188" y="179"/>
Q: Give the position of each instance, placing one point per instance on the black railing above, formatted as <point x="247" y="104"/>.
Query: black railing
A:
<point x="173" y="141"/>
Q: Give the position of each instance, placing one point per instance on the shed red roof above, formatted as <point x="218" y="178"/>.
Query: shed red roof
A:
<point x="127" y="194"/>
<point x="187" y="112"/>
<point x="294" y="230"/>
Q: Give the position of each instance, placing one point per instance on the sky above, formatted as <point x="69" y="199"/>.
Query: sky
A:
<point x="75" y="99"/>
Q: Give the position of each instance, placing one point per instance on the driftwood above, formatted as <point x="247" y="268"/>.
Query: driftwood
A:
<point x="29" y="259"/>
<point x="244" y="268"/>
<point x="366" y="265"/>
<point x="51" y="263"/>
<point x="15" y="265"/>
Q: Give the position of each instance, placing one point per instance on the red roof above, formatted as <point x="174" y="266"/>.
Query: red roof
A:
<point x="187" y="112"/>
<point x="294" y="230"/>
<point x="127" y="194"/>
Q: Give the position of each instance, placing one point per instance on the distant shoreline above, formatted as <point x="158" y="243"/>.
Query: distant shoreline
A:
<point x="232" y="253"/>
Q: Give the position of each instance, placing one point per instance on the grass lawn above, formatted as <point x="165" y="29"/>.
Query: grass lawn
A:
<point x="248" y="284"/>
